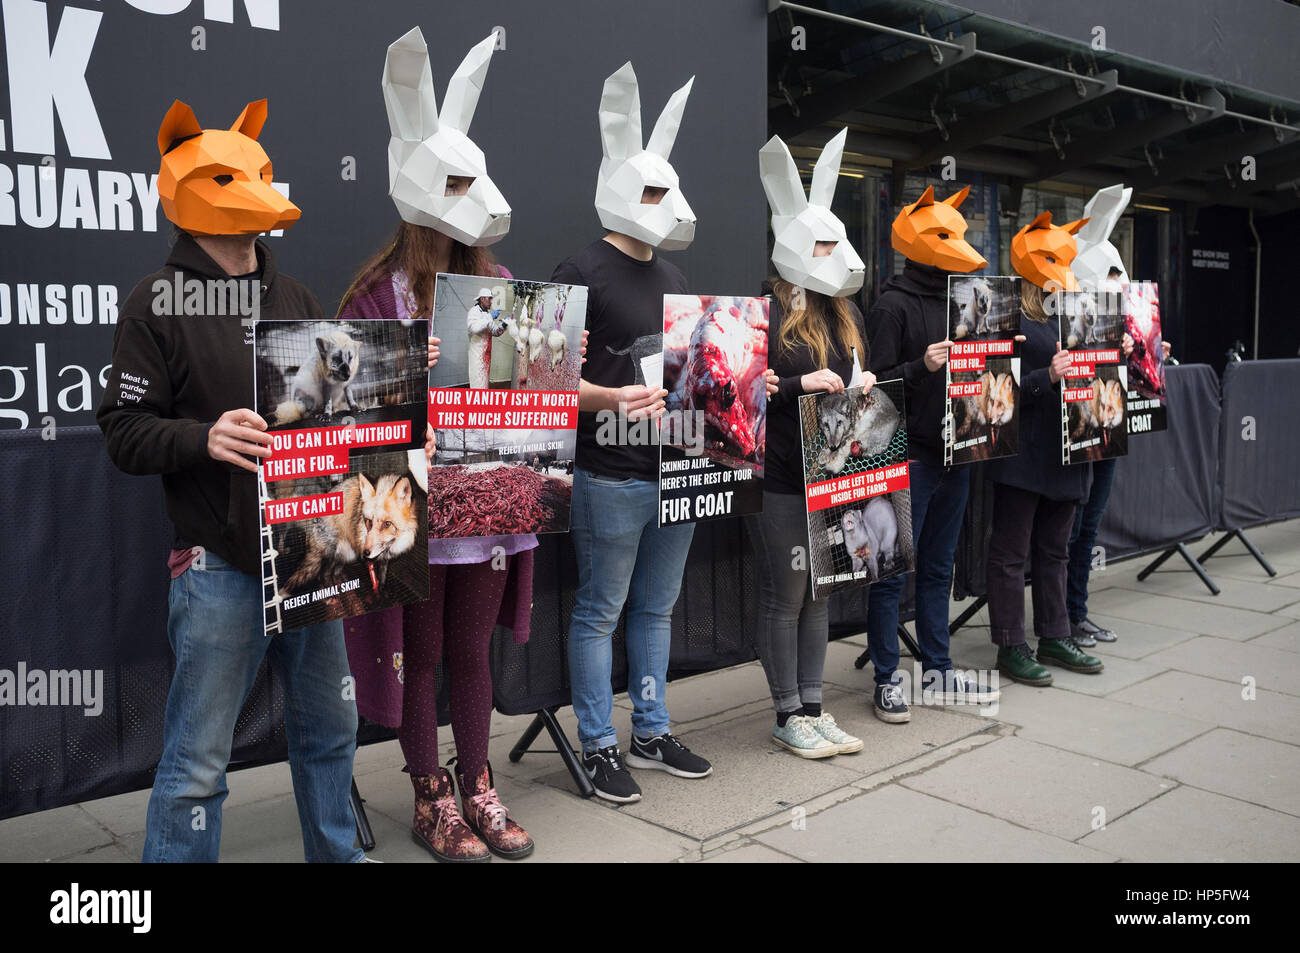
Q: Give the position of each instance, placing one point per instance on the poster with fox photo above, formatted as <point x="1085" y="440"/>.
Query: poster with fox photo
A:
<point x="342" y="495"/>
<point x="503" y="403"/>
<point x="712" y="435"/>
<point x="1092" y="327"/>
<point x="1146" y="364"/>
<point x="856" y="486"/>
<point x="983" y="371"/>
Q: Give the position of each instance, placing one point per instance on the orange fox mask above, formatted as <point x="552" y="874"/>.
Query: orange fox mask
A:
<point x="933" y="233"/>
<point x="218" y="181"/>
<point x="1041" y="253"/>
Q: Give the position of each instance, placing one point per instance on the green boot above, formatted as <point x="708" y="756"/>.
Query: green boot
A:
<point x="1067" y="654"/>
<point x="1017" y="663"/>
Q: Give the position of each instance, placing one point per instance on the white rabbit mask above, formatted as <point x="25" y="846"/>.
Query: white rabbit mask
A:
<point x="427" y="146"/>
<point x="1097" y="256"/>
<point x="800" y="221"/>
<point x="627" y="169"/>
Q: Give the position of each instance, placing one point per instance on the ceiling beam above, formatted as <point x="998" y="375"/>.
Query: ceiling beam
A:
<point x="1210" y="154"/>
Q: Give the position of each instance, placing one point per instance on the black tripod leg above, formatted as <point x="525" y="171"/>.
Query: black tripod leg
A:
<point x="906" y="639"/>
<point x="565" y="751"/>
<point x="967" y="614"/>
<point x="527" y="738"/>
<point x="1254" y="551"/>
<point x="1218" y="545"/>
<point x="365" y="836"/>
<point x="1159" y="561"/>
<point x="1197" y="568"/>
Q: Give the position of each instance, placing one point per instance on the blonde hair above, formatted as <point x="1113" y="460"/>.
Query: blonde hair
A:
<point x="1031" y="301"/>
<point x="820" y="322"/>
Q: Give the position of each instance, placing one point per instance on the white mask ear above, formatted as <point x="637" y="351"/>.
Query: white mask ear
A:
<point x="466" y="84"/>
<point x="408" y="89"/>
<point x="670" y="120"/>
<point x="1103" y="211"/>
<point x="826" y="173"/>
<point x="620" y="114"/>
<point x="781" y="179"/>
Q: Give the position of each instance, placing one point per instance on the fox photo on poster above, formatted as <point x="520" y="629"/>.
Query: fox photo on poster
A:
<point x="983" y="402"/>
<point x="343" y="493"/>
<point x="712" y="435"/>
<point x="856" y="486"/>
<point x="1146" y="364"/>
<point x="503" y="402"/>
<point x="1093" y="391"/>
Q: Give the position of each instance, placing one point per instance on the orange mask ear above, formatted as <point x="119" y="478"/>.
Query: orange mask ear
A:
<point x="1073" y="227"/>
<point x="926" y="199"/>
<point x="957" y="198"/>
<point x="179" y="123"/>
<point x="251" y="120"/>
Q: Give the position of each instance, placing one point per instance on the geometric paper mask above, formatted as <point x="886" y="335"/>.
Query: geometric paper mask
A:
<point x="799" y="221"/>
<point x="1097" y="256"/>
<point x="933" y="233"/>
<point x="1041" y="253"/>
<point x="218" y="181"/>
<point x="428" y="145"/>
<point x="626" y="168"/>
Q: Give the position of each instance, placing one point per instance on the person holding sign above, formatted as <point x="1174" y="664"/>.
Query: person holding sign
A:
<point x="908" y="329"/>
<point x="1035" y="496"/>
<point x="168" y="410"/>
<point x="815" y="338"/>
<point x="474" y="584"/>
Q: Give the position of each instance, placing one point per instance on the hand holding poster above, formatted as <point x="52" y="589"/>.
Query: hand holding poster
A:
<point x="342" y="494"/>
<point x="712" y="435"/>
<point x="983" y="369"/>
<point x="1146" y="365"/>
<point x="503" y="402"/>
<point x="856" y="486"/>
<point x="1092" y="392"/>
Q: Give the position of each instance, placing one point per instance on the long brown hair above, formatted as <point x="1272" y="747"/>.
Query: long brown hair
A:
<point x="1031" y="301"/>
<point x="819" y="324"/>
<point x="412" y="250"/>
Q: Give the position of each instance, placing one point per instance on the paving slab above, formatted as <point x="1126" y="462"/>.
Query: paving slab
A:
<point x="1286" y="638"/>
<point x="1119" y="672"/>
<point x="1270" y="714"/>
<point x="1037" y="786"/>
<point x="1190" y="615"/>
<point x="699" y="696"/>
<point x="751" y="854"/>
<point x="49" y="835"/>
<point x="753" y="778"/>
<point x="1190" y="825"/>
<point x="108" y="854"/>
<point x="1274" y="669"/>
<point x="1098" y="727"/>
<point x="1283" y="578"/>
<point x="1137" y="639"/>
<point x="1258" y="770"/>
<point x="1238" y="593"/>
<point x="893" y="824"/>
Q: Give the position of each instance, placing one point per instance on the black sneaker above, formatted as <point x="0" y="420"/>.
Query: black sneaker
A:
<point x="609" y="777"/>
<point x="666" y="753"/>
<point x="890" y="705"/>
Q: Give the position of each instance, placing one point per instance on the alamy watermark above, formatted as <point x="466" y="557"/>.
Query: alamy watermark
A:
<point x="72" y="688"/>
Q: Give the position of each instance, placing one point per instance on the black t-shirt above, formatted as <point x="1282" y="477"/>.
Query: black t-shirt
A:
<point x="783" y="466"/>
<point x="625" y="315"/>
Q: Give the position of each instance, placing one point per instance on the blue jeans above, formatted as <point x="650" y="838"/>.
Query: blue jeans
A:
<point x="215" y="628"/>
<point x="623" y="556"/>
<point x="938" y="502"/>
<point x="1086" y="522"/>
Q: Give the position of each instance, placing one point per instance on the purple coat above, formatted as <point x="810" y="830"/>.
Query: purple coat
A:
<point x="375" y="641"/>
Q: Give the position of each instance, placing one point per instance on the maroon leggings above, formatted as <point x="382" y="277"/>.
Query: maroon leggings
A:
<point x="457" y="619"/>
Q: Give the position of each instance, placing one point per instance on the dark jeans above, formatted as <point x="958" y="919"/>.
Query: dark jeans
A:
<point x="1028" y="527"/>
<point x="1084" y="537"/>
<point x="938" y="502"/>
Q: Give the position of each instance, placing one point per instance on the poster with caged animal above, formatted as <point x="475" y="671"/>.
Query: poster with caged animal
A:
<point x="1094" y="391"/>
<point x="342" y="494"/>
<point x="983" y="370"/>
<point x="856" y="486"/>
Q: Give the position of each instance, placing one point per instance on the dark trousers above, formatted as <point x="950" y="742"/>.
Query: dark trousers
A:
<point x="1029" y="528"/>
<point x="938" y="502"/>
<point x="1086" y="522"/>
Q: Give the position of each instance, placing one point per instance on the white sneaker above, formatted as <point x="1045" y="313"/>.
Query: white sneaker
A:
<point x="845" y="743"/>
<point x="800" y="737"/>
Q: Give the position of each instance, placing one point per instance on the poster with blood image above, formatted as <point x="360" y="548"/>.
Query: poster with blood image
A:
<point x="856" y="486"/>
<point x="713" y="431"/>
<point x="503" y="404"/>
<point x="342" y="495"/>
<point x="1146" y="364"/>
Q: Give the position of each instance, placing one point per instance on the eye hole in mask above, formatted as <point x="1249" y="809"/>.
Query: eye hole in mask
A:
<point x="458" y="184"/>
<point x="223" y="180"/>
<point x="651" y="195"/>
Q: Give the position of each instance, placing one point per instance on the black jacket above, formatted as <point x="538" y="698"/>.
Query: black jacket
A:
<point x="1037" y="467"/>
<point x="172" y="377"/>
<point x="783" y="464"/>
<point x="910" y="314"/>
